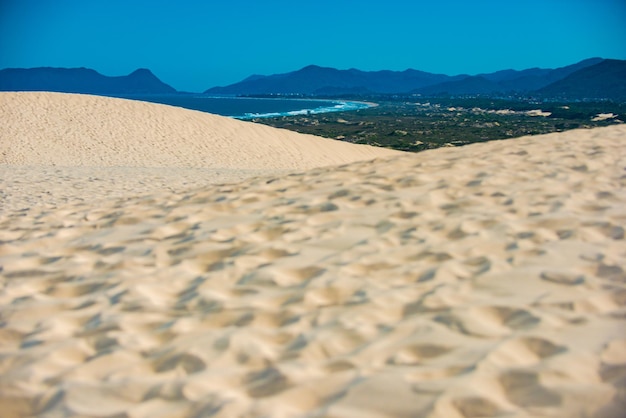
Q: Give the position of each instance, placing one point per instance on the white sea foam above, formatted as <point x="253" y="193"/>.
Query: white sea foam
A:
<point x="337" y="107"/>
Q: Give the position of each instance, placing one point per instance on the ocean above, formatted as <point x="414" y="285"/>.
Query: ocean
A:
<point x="251" y="108"/>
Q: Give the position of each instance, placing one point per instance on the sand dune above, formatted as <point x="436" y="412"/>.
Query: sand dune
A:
<point x="82" y="130"/>
<point x="482" y="281"/>
<point x="72" y="141"/>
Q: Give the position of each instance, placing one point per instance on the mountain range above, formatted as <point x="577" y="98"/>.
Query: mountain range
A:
<point x="81" y="80"/>
<point x="594" y="78"/>
<point x="591" y="78"/>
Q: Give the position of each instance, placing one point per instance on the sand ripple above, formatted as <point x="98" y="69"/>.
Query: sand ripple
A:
<point x="481" y="281"/>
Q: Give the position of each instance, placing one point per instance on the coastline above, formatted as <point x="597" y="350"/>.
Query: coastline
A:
<point x="340" y="106"/>
<point x="210" y="104"/>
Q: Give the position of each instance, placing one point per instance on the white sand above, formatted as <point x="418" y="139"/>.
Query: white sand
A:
<point x="73" y="140"/>
<point x="82" y="130"/>
<point x="482" y="281"/>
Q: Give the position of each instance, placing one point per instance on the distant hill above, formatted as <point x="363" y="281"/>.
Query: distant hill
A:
<point x="469" y="85"/>
<point x="322" y="80"/>
<point x="594" y="78"/>
<point x="315" y="80"/>
<point x="81" y="80"/>
<point x="505" y="81"/>
<point x="535" y="78"/>
<point x="605" y="80"/>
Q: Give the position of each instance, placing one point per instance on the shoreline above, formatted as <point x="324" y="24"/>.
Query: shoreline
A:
<point x="341" y="106"/>
<point x="195" y="102"/>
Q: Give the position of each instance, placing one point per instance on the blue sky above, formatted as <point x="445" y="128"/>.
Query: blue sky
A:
<point x="194" y="45"/>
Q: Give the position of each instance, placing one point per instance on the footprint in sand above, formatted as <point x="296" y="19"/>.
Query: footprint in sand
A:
<point x="418" y="353"/>
<point x="524" y="389"/>
<point x="476" y="407"/>
<point x="524" y="351"/>
<point x="613" y="273"/>
<point x="186" y="362"/>
<point x="266" y="382"/>
<point x="563" y="277"/>
<point x="488" y="321"/>
<point x="70" y="288"/>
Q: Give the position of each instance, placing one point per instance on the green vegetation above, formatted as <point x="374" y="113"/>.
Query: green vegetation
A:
<point x="410" y="124"/>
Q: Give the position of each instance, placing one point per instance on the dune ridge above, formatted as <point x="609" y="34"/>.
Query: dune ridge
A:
<point x="57" y="129"/>
<point x="73" y="141"/>
<point x="482" y="281"/>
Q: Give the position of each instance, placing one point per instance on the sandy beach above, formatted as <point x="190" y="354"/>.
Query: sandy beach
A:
<point x="161" y="262"/>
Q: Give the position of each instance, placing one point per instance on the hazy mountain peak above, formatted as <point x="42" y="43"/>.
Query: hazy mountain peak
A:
<point x="317" y="80"/>
<point x="81" y="80"/>
<point x="142" y="72"/>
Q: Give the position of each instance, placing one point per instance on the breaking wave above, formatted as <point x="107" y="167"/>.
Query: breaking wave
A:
<point x="341" y="106"/>
<point x="247" y="108"/>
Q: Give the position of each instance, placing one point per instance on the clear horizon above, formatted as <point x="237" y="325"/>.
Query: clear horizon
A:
<point x="195" y="45"/>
